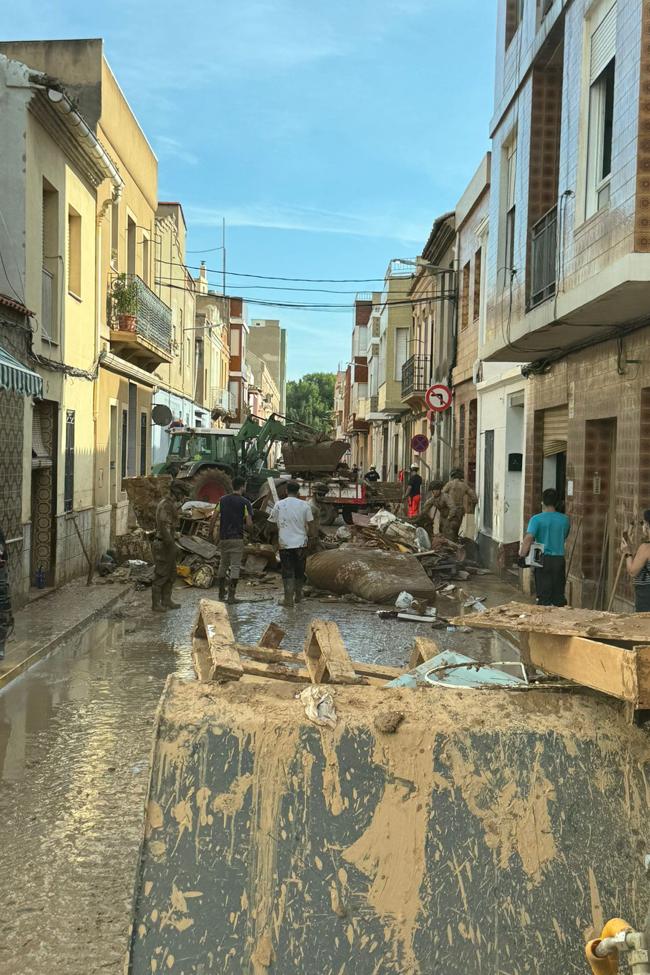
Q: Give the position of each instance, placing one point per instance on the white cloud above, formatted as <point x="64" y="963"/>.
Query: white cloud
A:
<point x="380" y="225"/>
<point x="171" y="148"/>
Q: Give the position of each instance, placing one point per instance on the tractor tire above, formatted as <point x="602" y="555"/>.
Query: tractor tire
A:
<point x="210" y="485"/>
<point x="347" y="515"/>
<point x="328" y="514"/>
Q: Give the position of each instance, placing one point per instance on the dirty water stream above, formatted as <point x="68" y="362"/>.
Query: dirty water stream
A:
<point x="75" y="741"/>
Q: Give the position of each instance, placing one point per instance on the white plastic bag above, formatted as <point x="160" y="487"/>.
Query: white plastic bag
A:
<point x="404" y="601"/>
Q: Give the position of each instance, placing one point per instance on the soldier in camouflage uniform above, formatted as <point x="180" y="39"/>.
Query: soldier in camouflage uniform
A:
<point x="164" y="547"/>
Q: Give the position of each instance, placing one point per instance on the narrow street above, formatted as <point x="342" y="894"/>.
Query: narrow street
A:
<point x="75" y="745"/>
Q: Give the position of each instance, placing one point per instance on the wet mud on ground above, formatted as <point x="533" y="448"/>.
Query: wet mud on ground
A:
<point x="75" y="743"/>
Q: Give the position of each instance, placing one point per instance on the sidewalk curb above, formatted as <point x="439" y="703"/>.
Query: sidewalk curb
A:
<point x="46" y="648"/>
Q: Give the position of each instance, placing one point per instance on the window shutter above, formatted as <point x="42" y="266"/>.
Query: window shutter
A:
<point x="556" y="430"/>
<point x="401" y="349"/>
<point x="603" y="44"/>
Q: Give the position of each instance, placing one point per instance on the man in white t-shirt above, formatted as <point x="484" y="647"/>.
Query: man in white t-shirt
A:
<point x="293" y="517"/>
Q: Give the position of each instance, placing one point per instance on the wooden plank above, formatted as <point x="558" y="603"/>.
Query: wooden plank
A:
<point x="269" y="655"/>
<point x="643" y="675"/>
<point x="423" y="650"/>
<point x="213" y="625"/>
<point x="276" y="671"/>
<point x="601" y="666"/>
<point x="201" y="659"/>
<point x="595" y="624"/>
<point x="326" y="656"/>
<point x="273" y="636"/>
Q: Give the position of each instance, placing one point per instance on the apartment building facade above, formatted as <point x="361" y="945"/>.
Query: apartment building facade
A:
<point x="53" y="167"/>
<point x="569" y="266"/>
<point x="268" y="341"/>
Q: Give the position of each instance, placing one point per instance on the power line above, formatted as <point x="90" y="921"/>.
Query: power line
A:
<point x="324" y="306"/>
<point x="273" y="277"/>
<point x="165" y="282"/>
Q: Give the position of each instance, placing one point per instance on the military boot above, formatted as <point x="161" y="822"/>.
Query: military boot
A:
<point x="167" y="601"/>
<point x="222" y="589"/>
<point x="289" y="586"/>
<point x="156" y="600"/>
<point x="232" y="586"/>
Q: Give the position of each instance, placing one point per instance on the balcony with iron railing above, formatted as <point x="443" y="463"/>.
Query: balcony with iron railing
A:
<point x="416" y="376"/>
<point x="223" y="402"/>
<point x="543" y="251"/>
<point x="140" y="322"/>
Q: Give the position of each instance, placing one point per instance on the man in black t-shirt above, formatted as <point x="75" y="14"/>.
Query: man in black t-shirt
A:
<point x="235" y="513"/>
<point x="414" y="492"/>
<point x="371" y="475"/>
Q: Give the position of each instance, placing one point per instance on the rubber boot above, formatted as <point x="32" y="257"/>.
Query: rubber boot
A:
<point x="156" y="600"/>
<point x="167" y="601"/>
<point x="232" y="586"/>
<point x="222" y="589"/>
<point x="299" y="584"/>
<point x="289" y="586"/>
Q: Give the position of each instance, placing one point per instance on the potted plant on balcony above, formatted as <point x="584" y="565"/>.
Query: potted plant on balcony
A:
<point x="125" y="303"/>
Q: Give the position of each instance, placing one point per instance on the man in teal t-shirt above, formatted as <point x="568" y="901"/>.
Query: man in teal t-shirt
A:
<point x="550" y="529"/>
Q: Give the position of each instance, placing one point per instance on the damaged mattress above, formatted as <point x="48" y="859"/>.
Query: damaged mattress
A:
<point x="370" y="574"/>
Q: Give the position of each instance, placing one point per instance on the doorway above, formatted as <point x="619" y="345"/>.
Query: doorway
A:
<point x="599" y="546"/>
<point x="112" y="460"/>
<point x="43" y="491"/>
<point x="488" y="482"/>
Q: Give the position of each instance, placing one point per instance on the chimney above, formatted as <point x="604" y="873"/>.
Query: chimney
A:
<point x="203" y="279"/>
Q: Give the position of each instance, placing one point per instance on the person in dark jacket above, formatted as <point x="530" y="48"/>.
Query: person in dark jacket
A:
<point x="638" y="567"/>
<point x="6" y="616"/>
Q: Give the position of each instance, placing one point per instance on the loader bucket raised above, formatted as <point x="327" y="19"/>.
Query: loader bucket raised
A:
<point x="491" y="833"/>
<point x="308" y="459"/>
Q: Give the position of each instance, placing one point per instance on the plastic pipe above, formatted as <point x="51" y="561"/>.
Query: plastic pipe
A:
<point x="607" y="965"/>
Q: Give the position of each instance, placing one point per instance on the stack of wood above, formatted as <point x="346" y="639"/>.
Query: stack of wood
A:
<point x="607" y="652"/>
<point x="324" y="659"/>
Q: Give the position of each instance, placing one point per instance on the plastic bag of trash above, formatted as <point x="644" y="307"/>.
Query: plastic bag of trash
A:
<point x="319" y="706"/>
<point x="343" y="534"/>
<point x="382" y="520"/>
<point x="404" y="601"/>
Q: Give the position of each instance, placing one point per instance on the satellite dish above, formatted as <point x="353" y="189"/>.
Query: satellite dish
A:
<point x="161" y="415"/>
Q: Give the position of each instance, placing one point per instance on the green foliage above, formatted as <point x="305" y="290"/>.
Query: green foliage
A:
<point x="311" y="400"/>
<point x="125" y="295"/>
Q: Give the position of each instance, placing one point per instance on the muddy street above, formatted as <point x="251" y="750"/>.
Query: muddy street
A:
<point x="75" y="742"/>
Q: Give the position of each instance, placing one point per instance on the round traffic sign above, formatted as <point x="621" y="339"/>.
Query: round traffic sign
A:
<point x="419" y="443"/>
<point x="438" y="398"/>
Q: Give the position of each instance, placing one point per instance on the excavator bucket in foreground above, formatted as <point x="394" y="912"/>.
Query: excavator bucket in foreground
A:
<point x="483" y="831"/>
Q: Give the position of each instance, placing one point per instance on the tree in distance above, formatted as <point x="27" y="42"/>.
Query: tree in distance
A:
<point x="311" y="400"/>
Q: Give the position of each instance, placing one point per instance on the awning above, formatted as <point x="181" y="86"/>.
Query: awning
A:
<point x="17" y="378"/>
<point x="556" y="427"/>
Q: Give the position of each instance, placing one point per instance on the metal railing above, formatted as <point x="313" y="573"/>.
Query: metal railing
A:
<point x="153" y="317"/>
<point x="47" y="304"/>
<point x="223" y="399"/>
<point x="416" y="373"/>
<point x="543" y="250"/>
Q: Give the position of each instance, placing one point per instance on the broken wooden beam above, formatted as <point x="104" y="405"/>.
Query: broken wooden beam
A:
<point x="326" y="656"/>
<point x="273" y="636"/>
<point x="620" y="672"/>
<point x="630" y="628"/>
<point x="213" y="625"/>
<point x="423" y="650"/>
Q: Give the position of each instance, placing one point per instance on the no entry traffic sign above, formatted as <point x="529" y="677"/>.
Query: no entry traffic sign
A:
<point x="419" y="443"/>
<point x="438" y="398"/>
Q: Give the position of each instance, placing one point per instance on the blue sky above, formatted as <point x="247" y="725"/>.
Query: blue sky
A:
<point x="329" y="135"/>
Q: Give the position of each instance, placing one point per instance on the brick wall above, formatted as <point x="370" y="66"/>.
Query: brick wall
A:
<point x="608" y="431"/>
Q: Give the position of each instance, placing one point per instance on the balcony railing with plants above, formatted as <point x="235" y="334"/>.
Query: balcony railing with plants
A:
<point x="223" y="400"/>
<point x="133" y="307"/>
<point x="416" y="373"/>
<point x="543" y="251"/>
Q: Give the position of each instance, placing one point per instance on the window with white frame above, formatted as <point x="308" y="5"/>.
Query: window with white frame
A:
<point x="509" y="207"/>
<point x="602" y="71"/>
<point x="401" y="351"/>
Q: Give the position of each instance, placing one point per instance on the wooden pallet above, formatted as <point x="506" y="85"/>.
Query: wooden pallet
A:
<point x="325" y="659"/>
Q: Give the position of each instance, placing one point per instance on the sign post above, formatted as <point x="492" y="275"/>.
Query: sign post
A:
<point x="419" y="443"/>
